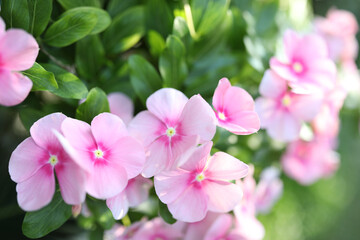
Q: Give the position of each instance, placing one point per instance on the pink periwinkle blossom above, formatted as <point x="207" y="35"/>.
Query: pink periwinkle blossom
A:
<point x="306" y="65"/>
<point x="172" y="125"/>
<point x="282" y="111"/>
<point x="18" y="52"/>
<point x="35" y="161"/>
<point x="120" y="232"/>
<point x="339" y="30"/>
<point x="235" y="110"/>
<point x="105" y="151"/>
<point x="202" y="185"/>
<point x="136" y="192"/>
<point x="122" y="106"/>
<point x="268" y="190"/>
<point x="307" y="162"/>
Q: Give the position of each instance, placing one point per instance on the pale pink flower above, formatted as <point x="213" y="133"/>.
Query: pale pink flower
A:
<point x="121" y="105"/>
<point x="34" y="161"/>
<point x="136" y="192"/>
<point x="235" y="109"/>
<point x="307" y="162"/>
<point x="306" y="66"/>
<point x="158" y="229"/>
<point x="282" y="111"/>
<point x="172" y="125"/>
<point x="120" y="232"/>
<point x="18" y="51"/>
<point x="268" y="190"/>
<point x="202" y="185"/>
<point x="106" y="151"/>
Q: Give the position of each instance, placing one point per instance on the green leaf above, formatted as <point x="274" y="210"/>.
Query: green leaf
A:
<point x="125" y="30"/>
<point x="96" y="102"/>
<point x="42" y="79"/>
<point x="143" y="76"/>
<point x="208" y="14"/>
<point x="101" y="212"/>
<point x="115" y="7"/>
<point x="39" y="15"/>
<point x="103" y="18"/>
<point x="70" y="86"/>
<point x="172" y="63"/>
<point x="28" y="116"/>
<point x="68" y="4"/>
<point x="158" y="17"/>
<point x="181" y="30"/>
<point x="70" y="28"/>
<point x="165" y="214"/>
<point x="15" y="13"/>
<point x="90" y="56"/>
<point x="156" y="43"/>
<point x="39" y="223"/>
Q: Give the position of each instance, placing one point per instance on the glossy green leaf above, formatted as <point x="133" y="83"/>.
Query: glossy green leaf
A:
<point x="103" y="18"/>
<point x="90" y="56"/>
<point x="15" y="13"/>
<point x="39" y="223"/>
<point x="143" y="76"/>
<point x="42" y="79"/>
<point x="70" y="28"/>
<point x="172" y="63"/>
<point x="70" y="86"/>
<point x="96" y="102"/>
<point x="165" y="214"/>
<point x="116" y="7"/>
<point x="156" y="43"/>
<point x="158" y="17"/>
<point x="39" y="13"/>
<point x="68" y="4"/>
<point x="125" y="30"/>
<point x="181" y="30"/>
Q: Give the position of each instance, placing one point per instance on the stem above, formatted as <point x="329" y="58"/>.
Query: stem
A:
<point x="189" y="19"/>
<point x="57" y="62"/>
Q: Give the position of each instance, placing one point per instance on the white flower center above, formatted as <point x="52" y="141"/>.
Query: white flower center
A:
<point x="98" y="153"/>
<point x="298" y="67"/>
<point x="170" y="131"/>
<point x="200" y="177"/>
<point x="221" y="116"/>
<point x="53" y="160"/>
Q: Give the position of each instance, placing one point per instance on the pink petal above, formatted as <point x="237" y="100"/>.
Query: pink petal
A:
<point x="18" y="50"/>
<point x="198" y="230"/>
<point x="14" y="88"/>
<point x="223" y="166"/>
<point x="190" y="206"/>
<point x="272" y="86"/>
<point x="180" y="145"/>
<point x="283" y="70"/>
<point x="137" y="190"/>
<point x="266" y="108"/>
<point x="198" y="159"/>
<point x="118" y="205"/>
<point x="306" y="107"/>
<point x="291" y="42"/>
<point x="122" y="106"/>
<point x="72" y="182"/>
<point x="159" y="156"/>
<point x="165" y="182"/>
<point x="311" y="47"/>
<point x="38" y="190"/>
<point x="284" y="127"/>
<point x="42" y="130"/>
<point x="223" y="196"/>
<point x="241" y="123"/>
<point x="218" y="98"/>
<point x="146" y="127"/>
<point x="219" y="228"/>
<point x="198" y="118"/>
<point x="107" y="129"/>
<point x="2" y="27"/>
<point x="106" y="180"/>
<point x="130" y="154"/>
<point x="25" y="160"/>
<point x="236" y="100"/>
<point x="78" y="133"/>
<point x="167" y="104"/>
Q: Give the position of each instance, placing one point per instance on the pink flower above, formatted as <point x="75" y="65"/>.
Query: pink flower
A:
<point x="171" y="126"/>
<point x="136" y="192"/>
<point x="306" y="162"/>
<point x="18" y="51"/>
<point x="106" y="151"/>
<point x="268" y="191"/>
<point x="158" y="229"/>
<point x="281" y="111"/>
<point x="32" y="166"/>
<point x="306" y="66"/>
<point x="122" y="106"/>
<point x="202" y="185"/>
<point x="235" y="109"/>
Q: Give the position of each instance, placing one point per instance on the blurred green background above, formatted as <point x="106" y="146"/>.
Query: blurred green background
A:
<point x="329" y="209"/>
